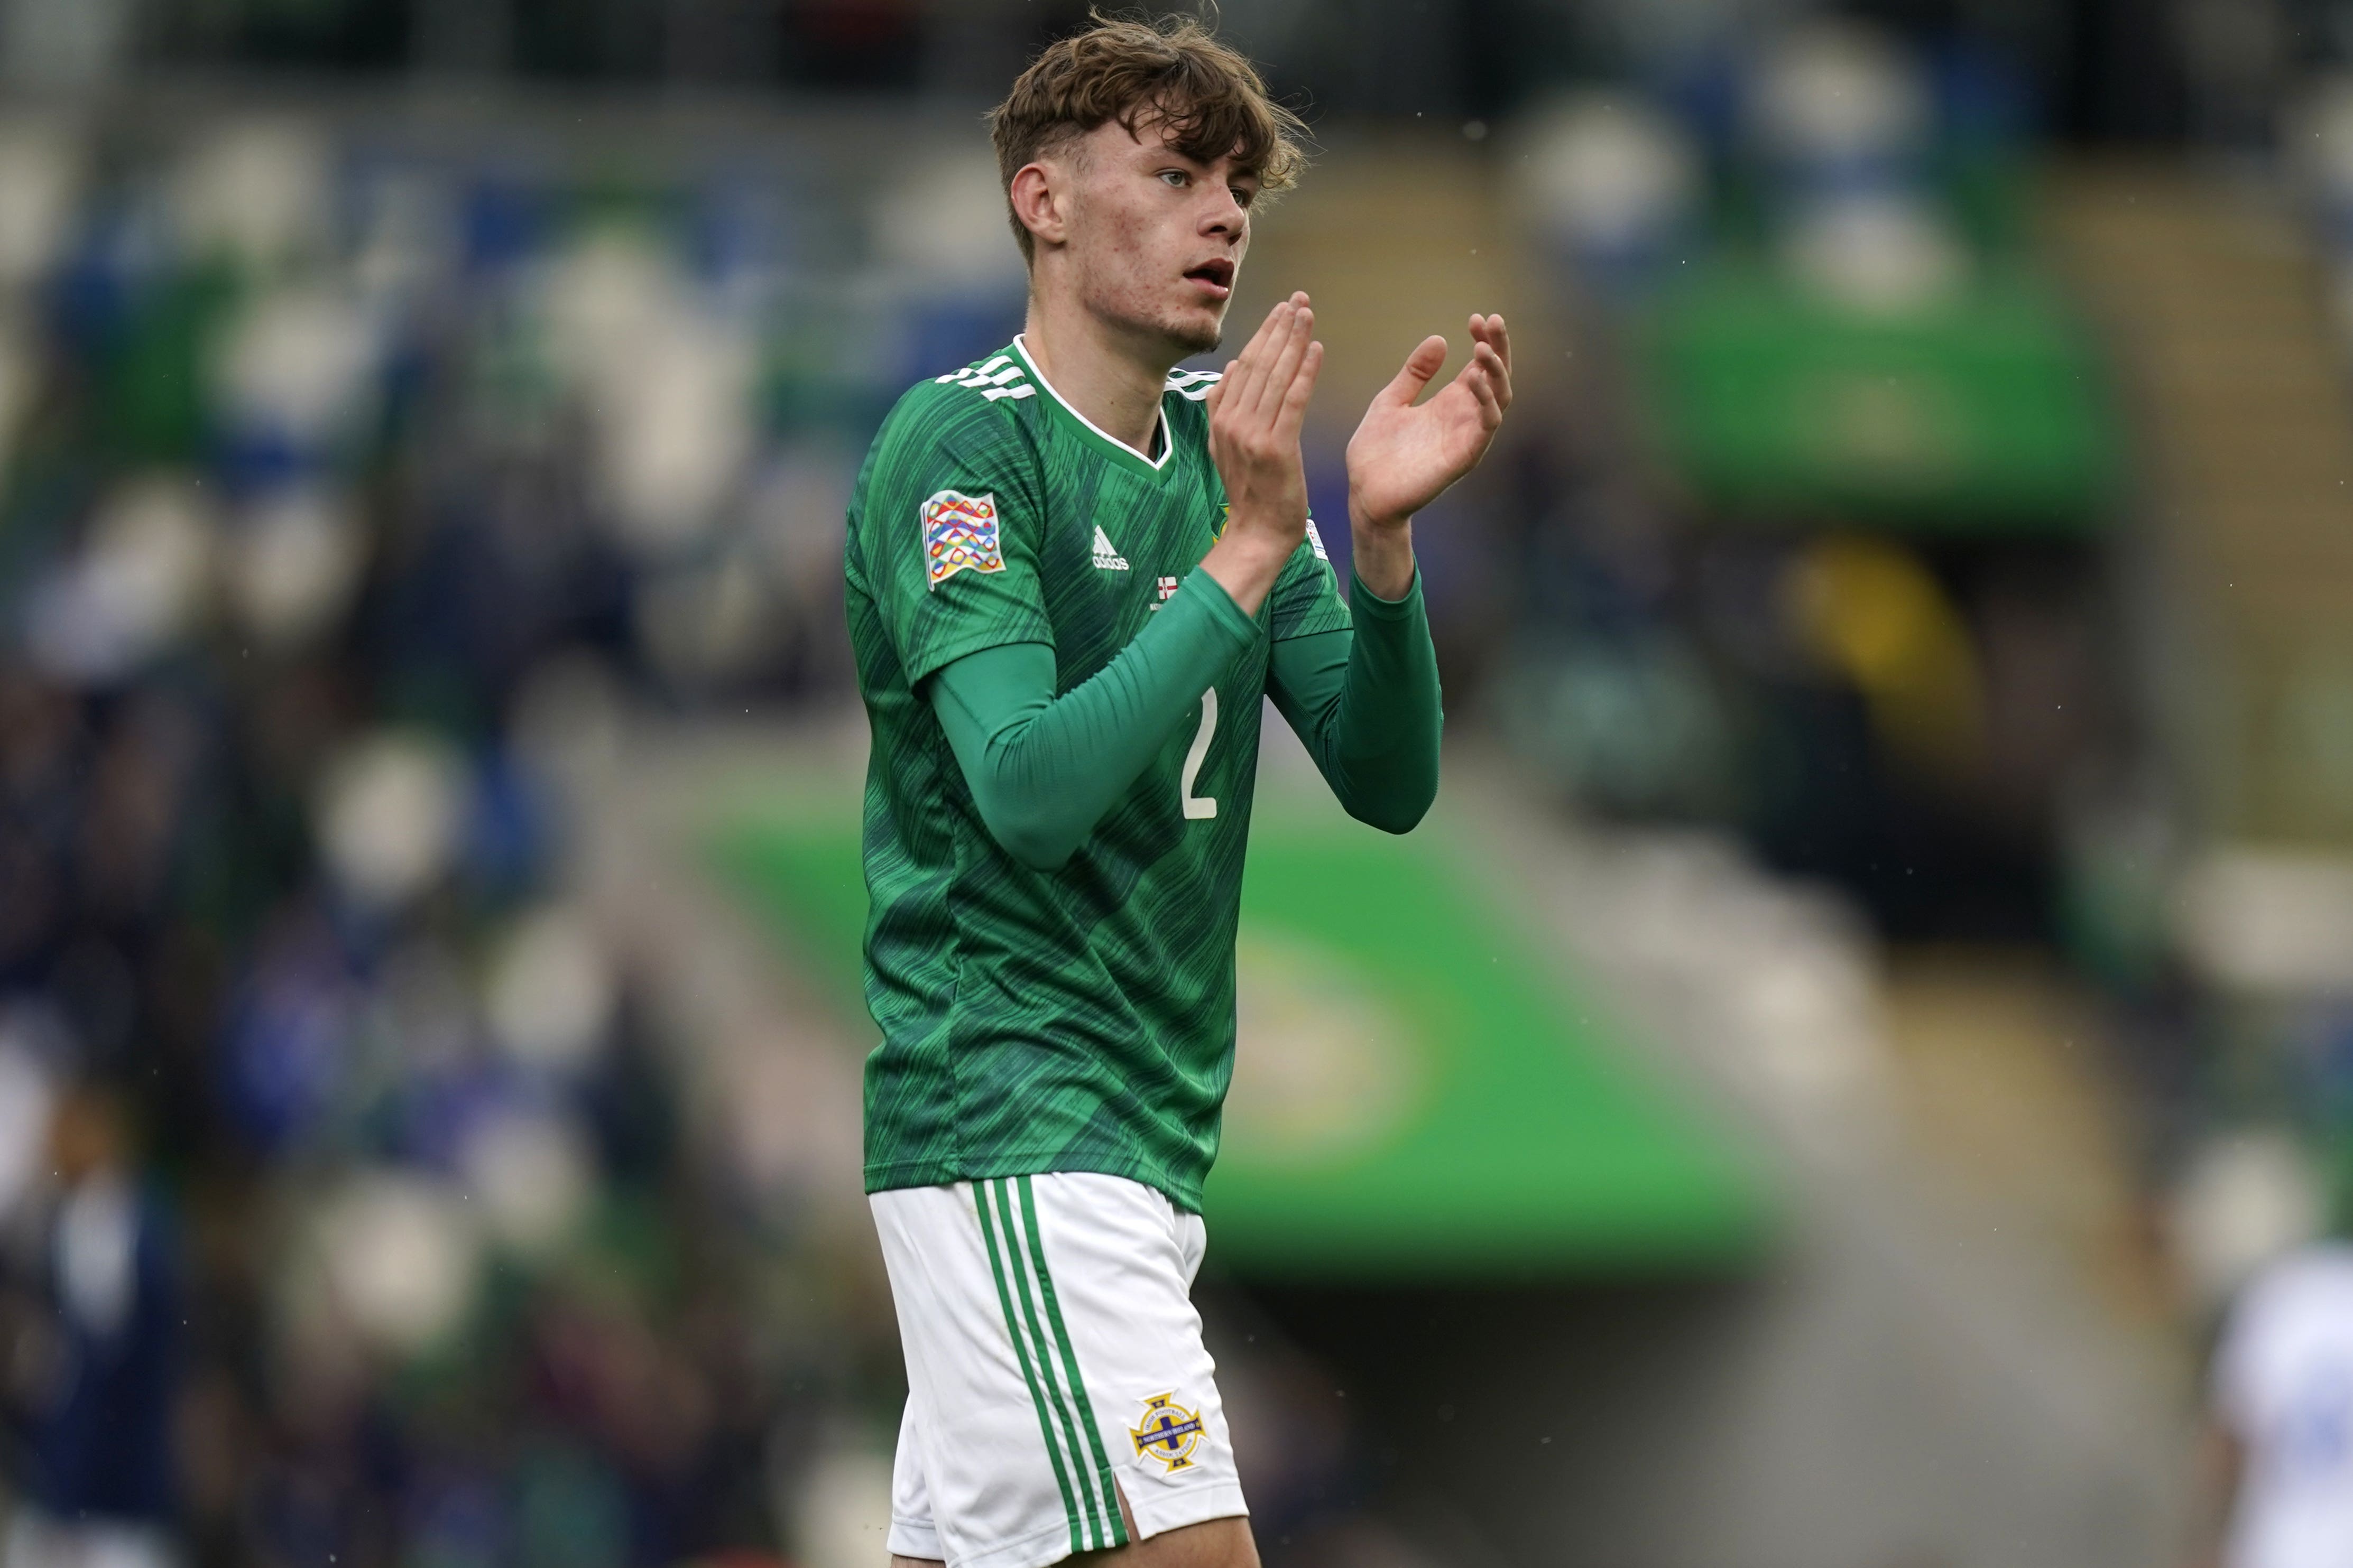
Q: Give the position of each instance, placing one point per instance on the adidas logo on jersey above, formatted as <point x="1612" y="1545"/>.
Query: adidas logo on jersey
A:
<point x="1106" y="558"/>
<point x="999" y="377"/>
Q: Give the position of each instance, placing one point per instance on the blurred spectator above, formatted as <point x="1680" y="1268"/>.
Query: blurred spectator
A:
<point x="97" y="1367"/>
<point x="2281" y="1444"/>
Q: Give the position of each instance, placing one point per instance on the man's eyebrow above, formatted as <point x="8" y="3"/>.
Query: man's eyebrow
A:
<point x="1194" y="162"/>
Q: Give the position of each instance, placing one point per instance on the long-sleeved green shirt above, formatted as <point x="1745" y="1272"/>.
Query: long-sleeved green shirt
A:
<point x="1054" y="894"/>
<point x="1043" y="768"/>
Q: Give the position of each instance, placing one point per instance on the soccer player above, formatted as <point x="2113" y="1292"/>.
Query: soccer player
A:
<point x="2280" y="1440"/>
<point x="1073" y="571"/>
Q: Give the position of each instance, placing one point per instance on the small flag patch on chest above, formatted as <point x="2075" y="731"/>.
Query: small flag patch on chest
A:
<point x="960" y="535"/>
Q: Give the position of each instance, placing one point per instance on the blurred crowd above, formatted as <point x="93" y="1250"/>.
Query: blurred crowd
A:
<point x="1877" y="673"/>
<point x="1933" y="695"/>
<point x="348" y="1216"/>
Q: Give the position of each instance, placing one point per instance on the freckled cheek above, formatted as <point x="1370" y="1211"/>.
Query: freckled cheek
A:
<point x="1131" y="263"/>
<point x="1117" y="273"/>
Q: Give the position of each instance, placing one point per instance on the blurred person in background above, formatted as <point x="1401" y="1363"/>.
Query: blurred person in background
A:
<point x="1074" y="574"/>
<point x="96" y="1369"/>
<point x="2280" y="1437"/>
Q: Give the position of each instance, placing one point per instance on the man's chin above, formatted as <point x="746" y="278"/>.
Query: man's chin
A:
<point x="1196" y="330"/>
<point x="1188" y="332"/>
<point x="1197" y="339"/>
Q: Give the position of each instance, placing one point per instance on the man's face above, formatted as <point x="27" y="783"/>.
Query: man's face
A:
<point x="1155" y="238"/>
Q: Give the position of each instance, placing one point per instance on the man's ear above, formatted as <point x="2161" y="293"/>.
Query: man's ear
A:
<point x="1040" y="197"/>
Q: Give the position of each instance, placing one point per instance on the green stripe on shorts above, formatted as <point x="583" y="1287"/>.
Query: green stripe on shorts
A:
<point x="1021" y="1353"/>
<point x="1070" y="1366"/>
<point x="1090" y="1499"/>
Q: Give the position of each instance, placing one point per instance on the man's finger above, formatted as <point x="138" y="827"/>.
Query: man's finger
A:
<point x="1494" y="352"/>
<point x="1482" y="366"/>
<point x="1280" y="374"/>
<point x="1251" y="366"/>
<point x="1489" y="330"/>
<point x="1490" y="364"/>
<point x="1491" y="411"/>
<point x="1254" y="352"/>
<point x="1293" y="414"/>
<point x="1427" y="358"/>
<point x="1501" y="376"/>
<point x="1276" y="314"/>
<point x="1251" y="361"/>
<point x="1500" y="338"/>
<point x="1265" y="388"/>
<point x="1259" y="355"/>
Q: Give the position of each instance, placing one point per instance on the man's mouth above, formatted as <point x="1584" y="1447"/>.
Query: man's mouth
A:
<point x="1216" y="277"/>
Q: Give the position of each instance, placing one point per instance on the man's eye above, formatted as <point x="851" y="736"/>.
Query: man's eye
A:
<point x="1242" y="195"/>
<point x="1176" y="177"/>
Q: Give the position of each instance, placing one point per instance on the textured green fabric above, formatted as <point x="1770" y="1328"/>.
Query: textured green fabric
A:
<point x="1083" y="1018"/>
<point x="1043" y="769"/>
<point x="1365" y="704"/>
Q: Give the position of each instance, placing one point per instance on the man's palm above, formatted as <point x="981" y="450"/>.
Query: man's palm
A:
<point x="1403" y="456"/>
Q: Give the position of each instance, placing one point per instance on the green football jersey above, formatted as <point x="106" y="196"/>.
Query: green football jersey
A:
<point x="1083" y="1018"/>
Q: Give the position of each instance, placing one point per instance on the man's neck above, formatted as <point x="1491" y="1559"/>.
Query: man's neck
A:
<point x="1105" y="373"/>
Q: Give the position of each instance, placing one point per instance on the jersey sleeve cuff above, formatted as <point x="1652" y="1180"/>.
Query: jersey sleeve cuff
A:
<point x="1364" y="602"/>
<point x="1221" y="607"/>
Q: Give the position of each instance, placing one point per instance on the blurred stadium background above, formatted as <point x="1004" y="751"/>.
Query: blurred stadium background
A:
<point x="1879" y="975"/>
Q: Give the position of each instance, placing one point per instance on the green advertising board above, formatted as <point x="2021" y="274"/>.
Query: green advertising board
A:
<point x="1421" y="1092"/>
<point x="1986" y="412"/>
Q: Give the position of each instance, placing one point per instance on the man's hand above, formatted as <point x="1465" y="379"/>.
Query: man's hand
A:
<point x="1402" y="458"/>
<point x="1255" y="412"/>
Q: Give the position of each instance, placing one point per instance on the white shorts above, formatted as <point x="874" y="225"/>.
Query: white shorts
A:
<point x="1054" y="1364"/>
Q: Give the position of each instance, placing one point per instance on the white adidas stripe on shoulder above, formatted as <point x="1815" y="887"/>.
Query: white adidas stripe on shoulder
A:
<point x="973" y="374"/>
<point x="1000" y="375"/>
<point x="1193" y="385"/>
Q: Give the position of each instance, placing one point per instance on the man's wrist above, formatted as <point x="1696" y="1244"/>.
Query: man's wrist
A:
<point x="1246" y="561"/>
<point x="1382" y="553"/>
<point x="1261" y="547"/>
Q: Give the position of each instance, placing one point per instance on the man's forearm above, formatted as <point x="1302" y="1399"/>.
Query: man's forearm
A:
<point x="1365" y="702"/>
<point x="1043" y="769"/>
<point x="1246" y="564"/>
<point x="1381" y="553"/>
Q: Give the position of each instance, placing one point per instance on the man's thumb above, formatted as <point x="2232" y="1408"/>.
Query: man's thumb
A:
<point x="1419" y="367"/>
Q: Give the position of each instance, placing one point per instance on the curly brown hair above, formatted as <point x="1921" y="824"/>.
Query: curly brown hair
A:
<point x="1174" y="73"/>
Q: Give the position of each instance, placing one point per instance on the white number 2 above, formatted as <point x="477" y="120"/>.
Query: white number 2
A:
<point x="1198" y="807"/>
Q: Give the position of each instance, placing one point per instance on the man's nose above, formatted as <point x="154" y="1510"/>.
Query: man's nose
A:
<point x="1227" y="216"/>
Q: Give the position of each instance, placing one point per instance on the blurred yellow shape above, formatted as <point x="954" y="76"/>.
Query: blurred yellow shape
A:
<point x="1871" y="612"/>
